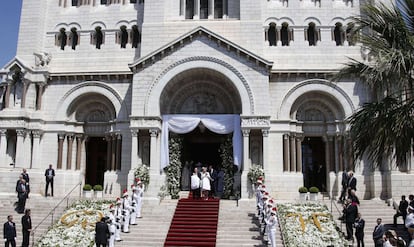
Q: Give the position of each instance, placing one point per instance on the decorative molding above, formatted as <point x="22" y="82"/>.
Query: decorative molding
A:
<point x="265" y="132"/>
<point x="153" y="132"/>
<point x="21" y="132"/>
<point x="253" y="122"/>
<point x="37" y="133"/>
<point x="146" y="123"/>
<point x="207" y="59"/>
<point x="246" y="132"/>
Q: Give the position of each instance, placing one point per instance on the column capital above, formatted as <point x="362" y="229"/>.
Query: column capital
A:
<point x="61" y="136"/>
<point x="246" y="132"/>
<point x="21" y="132"/>
<point x="134" y="132"/>
<point x="37" y="133"/>
<point x="265" y="132"/>
<point x="3" y="132"/>
<point x="153" y="132"/>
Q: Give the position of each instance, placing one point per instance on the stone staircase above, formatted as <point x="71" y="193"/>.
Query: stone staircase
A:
<point x="40" y="207"/>
<point x="371" y="210"/>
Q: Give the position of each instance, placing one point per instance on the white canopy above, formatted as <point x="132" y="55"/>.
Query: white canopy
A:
<point x="220" y="124"/>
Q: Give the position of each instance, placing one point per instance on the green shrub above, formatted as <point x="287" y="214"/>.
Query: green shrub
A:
<point x="97" y="187"/>
<point x="313" y="190"/>
<point x="303" y="189"/>
<point x="87" y="187"/>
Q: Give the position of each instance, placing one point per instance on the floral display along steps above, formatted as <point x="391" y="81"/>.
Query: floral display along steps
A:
<point x="194" y="223"/>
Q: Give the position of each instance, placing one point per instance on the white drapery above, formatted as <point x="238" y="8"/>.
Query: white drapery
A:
<point x="220" y="124"/>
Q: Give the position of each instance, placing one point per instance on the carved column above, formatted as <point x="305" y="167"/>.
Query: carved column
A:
<point x="286" y="158"/>
<point x="265" y="135"/>
<point x="118" y="151"/>
<point x="134" y="149"/>
<point x="108" y="152"/>
<point x="24" y="93"/>
<point x="78" y="152"/>
<point x="292" y="142"/>
<point x="20" y="152"/>
<point x="3" y="147"/>
<point x="61" y="138"/>
<point x="340" y="154"/>
<point x="246" y="164"/>
<point x="225" y="9"/>
<point x="210" y="9"/>
<point x="69" y="152"/>
<point x="196" y="10"/>
<point x="299" y="154"/>
<point x="39" y="96"/>
<point x="36" y="148"/>
<point x="154" y="168"/>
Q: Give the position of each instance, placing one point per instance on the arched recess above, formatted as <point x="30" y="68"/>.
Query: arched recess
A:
<point x="200" y="91"/>
<point x="322" y="86"/>
<point x="223" y="69"/>
<point x="91" y="88"/>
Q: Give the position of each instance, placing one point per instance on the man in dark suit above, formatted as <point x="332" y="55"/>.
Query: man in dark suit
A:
<point x="49" y="174"/>
<point x="359" y="230"/>
<point x="350" y="212"/>
<point x="378" y="233"/>
<point x="21" y="195"/>
<point x="401" y="210"/>
<point x="26" y="178"/>
<point x="101" y="233"/>
<point x="26" y="227"/>
<point x="352" y="183"/>
<point x="9" y="232"/>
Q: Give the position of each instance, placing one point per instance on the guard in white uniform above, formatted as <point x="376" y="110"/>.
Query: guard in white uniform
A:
<point x="140" y="194"/>
<point x="133" y="203"/>
<point x="118" y="220"/>
<point x="111" y="227"/>
<point x="126" y="211"/>
<point x="271" y="223"/>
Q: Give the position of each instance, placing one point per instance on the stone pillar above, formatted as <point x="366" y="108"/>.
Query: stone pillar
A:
<point x="69" y="152"/>
<point x="340" y="154"/>
<point x="154" y="167"/>
<point x="20" y="149"/>
<point x="61" y="138"/>
<point x="225" y="9"/>
<point x="245" y="183"/>
<point x="3" y="147"/>
<point x="286" y="158"/>
<point x="335" y="152"/>
<point x="196" y="10"/>
<point x="298" y="154"/>
<point x="210" y="9"/>
<point x="134" y="149"/>
<point x="78" y="152"/>
<point x="113" y="152"/>
<point x="36" y="148"/>
<point x="292" y="142"/>
<point x="265" y="135"/>
<point x="39" y="96"/>
<point x="7" y="99"/>
<point x="24" y="93"/>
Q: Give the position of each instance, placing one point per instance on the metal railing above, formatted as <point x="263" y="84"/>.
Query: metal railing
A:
<point x="52" y="212"/>
<point x="337" y="209"/>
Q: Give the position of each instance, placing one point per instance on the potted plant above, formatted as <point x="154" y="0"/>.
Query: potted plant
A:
<point x="313" y="193"/>
<point x="98" y="191"/>
<point x="303" y="193"/>
<point x="87" y="191"/>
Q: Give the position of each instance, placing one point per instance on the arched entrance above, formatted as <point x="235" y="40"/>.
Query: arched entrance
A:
<point x="201" y="92"/>
<point x="314" y="163"/>
<point x="95" y="112"/>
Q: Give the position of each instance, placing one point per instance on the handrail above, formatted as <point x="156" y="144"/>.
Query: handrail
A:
<point x="337" y="209"/>
<point x="66" y="197"/>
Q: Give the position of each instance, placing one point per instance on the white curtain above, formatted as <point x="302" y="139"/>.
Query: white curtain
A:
<point x="220" y="124"/>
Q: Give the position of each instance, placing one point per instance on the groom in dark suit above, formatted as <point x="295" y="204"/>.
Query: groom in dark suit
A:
<point x="9" y="232"/>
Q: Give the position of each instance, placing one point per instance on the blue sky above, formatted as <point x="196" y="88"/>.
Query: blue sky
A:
<point x="9" y="24"/>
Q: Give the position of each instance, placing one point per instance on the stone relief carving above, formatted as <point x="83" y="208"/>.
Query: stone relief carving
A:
<point x="42" y="59"/>
<point x="257" y="122"/>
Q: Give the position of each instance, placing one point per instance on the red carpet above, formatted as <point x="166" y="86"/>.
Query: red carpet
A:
<point x="194" y="223"/>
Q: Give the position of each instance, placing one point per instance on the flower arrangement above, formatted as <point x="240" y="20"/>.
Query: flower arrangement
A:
<point x="142" y="173"/>
<point x="77" y="226"/>
<point x="226" y="154"/>
<point x="255" y="172"/>
<point x="174" y="169"/>
<point x="309" y="224"/>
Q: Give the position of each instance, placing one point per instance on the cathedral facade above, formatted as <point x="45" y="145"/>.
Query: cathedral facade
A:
<point x="95" y="84"/>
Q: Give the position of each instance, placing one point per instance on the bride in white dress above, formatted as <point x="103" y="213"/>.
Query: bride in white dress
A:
<point x="205" y="183"/>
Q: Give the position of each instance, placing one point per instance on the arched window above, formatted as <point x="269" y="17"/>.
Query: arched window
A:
<point x="136" y="36"/>
<point x="123" y="36"/>
<point x="312" y="34"/>
<point x="62" y="38"/>
<point x="74" y="38"/>
<point x="271" y="34"/>
<point x="338" y="34"/>
<point x="189" y="9"/>
<point x="97" y="38"/>
<point x="286" y="35"/>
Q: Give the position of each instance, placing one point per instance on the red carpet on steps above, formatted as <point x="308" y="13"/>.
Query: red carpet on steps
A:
<point x="194" y="223"/>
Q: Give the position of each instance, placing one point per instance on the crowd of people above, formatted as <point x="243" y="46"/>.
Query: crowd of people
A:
<point x="122" y="214"/>
<point x="206" y="182"/>
<point x="353" y="220"/>
<point x="266" y="211"/>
